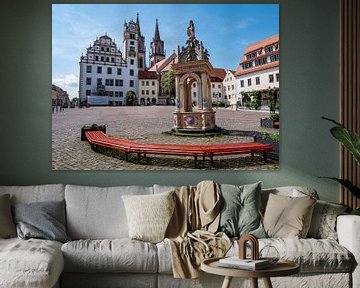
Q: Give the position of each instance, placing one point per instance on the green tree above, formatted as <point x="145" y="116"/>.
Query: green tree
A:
<point x="130" y="98"/>
<point x="168" y="82"/>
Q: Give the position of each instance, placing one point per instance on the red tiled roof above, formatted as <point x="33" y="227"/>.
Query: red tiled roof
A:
<point x="240" y="71"/>
<point x="219" y="73"/>
<point x="263" y="43"/>
<point x="260" y="45"/>
<point x="147" y="75"/>
<point x="164" y="65"/>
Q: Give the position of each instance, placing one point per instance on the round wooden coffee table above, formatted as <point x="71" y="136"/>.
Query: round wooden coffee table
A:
<point x="281" y="268"/>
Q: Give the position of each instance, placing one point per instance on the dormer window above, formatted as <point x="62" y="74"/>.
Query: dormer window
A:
<point x="269" y="49"/>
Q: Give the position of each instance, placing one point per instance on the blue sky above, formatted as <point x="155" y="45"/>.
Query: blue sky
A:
<point x="225" y="29"/>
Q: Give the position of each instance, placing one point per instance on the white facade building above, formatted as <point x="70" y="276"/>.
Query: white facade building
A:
<point x="106" y="74"/>
<point x="229" y="84"/>
<point x="217" y="87"/>
<point x="259" y="67"/>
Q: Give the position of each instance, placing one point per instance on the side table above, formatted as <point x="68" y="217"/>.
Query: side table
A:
<point x="281" y="268"/>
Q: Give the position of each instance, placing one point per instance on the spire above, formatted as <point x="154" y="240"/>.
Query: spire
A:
<point x="157" y="34"/>
<point x="138" y="22"/>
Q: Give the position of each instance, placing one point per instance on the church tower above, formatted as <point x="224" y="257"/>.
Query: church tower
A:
<point x="157" y="51"/>
<point x="134" y="44"/>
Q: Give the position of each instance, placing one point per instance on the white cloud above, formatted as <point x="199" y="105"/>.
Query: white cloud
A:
<point x="69" y="83"/>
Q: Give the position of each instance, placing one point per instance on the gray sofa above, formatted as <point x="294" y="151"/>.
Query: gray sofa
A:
<point x="101" y="254"/>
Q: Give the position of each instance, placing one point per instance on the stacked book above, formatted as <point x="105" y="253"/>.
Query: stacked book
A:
<point x="248" y="264"/>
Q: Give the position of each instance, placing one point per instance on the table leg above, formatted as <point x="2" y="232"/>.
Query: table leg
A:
<point x="227" y="282"/>
<point x="254" y="282"/>
<point x="267" y="283"/>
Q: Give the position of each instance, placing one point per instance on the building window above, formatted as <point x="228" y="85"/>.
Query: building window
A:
<point x="108" y="49"/>
<point x="118" y="71"/>
<point x="271" y="78"/>
<point x="269" y="49"/>
<point x="257" y="80"/>
<point x="153" y="83"/>
<point x="132" y="36"/>
<point x="109" y="70"/>
<point x="277" y="77"/>
<point x="132" y="48"/>
<point x="88" y="69"/>
<point x="111" y="93"/>
<point x="99" y="70"/>
<point x="232" y="87"/>
<point x="99" y="81"/>
<point x="142" y="92"/>
<point x="142" y="83"/>
<point x="147" y="83"/>
<point x="102" y="48"/>
<point x="228" y="88"/>
<point x="132" y="43"/>
<point x="102" y="58"/>
<point x="88" y="92"/>
<point x="274" y="58"/>
<point x="213" y="85"/>
<point x="121" y="94"/>
<point x="147" y="92"/>
<point x="112" y="59"/>
<point x="109" y="82"/>
<point x="131" y="61"/>
<point x="194" y="85"/>
<point x="88" y="81"/>
<point x="241" y="83"/>
<point x="247" y="65"/>
<point x="97" y="58"/>
<point x="219" y="86"/>
<point x="261" y="61"/>
<point x="153" y="92"/>
<point x="131" y="72"/>
<point x="249" y="82"/>
<point x="119" y="82"/>
<point x="251" y="55"/>
<point x="107" y="59"/>
<point x="131" y="83"/>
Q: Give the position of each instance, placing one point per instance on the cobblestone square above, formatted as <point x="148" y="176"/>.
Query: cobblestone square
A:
<point x="147" y="124"/>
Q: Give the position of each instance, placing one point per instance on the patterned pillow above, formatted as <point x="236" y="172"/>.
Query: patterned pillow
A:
<point x="149" y="215"/>
<point x="240" y="213"/>
<point x="323" y="222"/>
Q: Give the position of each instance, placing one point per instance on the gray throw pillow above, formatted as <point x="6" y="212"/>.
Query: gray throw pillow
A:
<point x="240" y="213"/>
<point x="323" y="222"/>
<point x="44" y="220"/>
<point x="7" y="226"/>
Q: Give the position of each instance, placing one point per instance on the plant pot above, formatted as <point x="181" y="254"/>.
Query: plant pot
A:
<point x="266" y="122"/>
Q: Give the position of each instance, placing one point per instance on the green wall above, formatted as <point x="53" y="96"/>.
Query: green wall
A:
<point x="309" y="89"/>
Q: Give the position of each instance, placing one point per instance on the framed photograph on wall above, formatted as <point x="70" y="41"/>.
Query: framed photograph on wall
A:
<point x="165" y="87"/>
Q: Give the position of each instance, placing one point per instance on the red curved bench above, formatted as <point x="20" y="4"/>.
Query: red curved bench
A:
<point x="99" y="138"/>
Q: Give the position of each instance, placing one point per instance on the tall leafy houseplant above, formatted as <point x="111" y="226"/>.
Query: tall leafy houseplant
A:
<point x="351" y="141"/>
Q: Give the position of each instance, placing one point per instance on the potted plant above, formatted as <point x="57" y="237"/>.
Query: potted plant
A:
<point x="351" y="142"/>
<point x="270" y="122"/>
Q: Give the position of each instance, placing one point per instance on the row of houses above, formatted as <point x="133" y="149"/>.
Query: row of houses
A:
<point x="109" y="76"/>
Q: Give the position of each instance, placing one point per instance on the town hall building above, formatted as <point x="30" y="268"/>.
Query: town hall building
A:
<point x="109" y="76"/>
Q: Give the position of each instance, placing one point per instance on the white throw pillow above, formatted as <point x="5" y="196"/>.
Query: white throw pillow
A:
<point x="149" y="215"/>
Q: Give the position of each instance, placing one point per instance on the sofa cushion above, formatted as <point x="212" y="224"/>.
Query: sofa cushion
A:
<point x="30" y="263"/>
<point x="287" y="216"/>
<point x="313" y="255"/>
<point x="43" y="220"/>
<point x="35" y="193"/>
<point x="117" y="255"/>
<point x="149" y="215"/>
<point x="98" y="213"/>
<point x="291" y="191"/>
<point x="323" y="222"/>
<point x="240" y="210"/>
<point x="7" y="226"/>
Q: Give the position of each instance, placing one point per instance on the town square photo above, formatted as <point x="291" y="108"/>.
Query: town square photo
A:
<point x="165" y="86"/>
